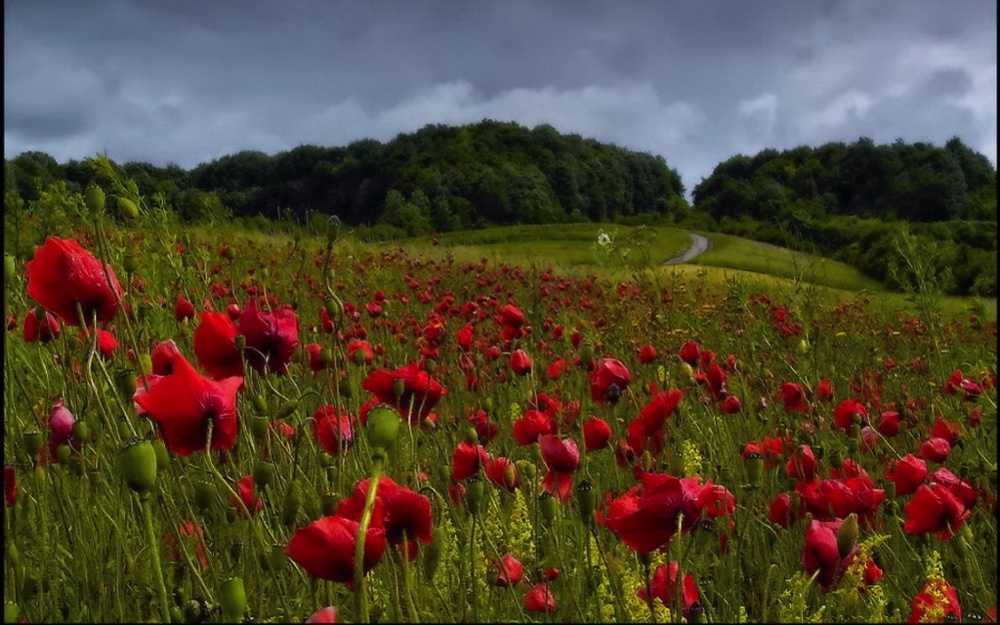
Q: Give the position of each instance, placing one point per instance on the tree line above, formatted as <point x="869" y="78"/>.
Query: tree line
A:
<point x="841" y="200"/>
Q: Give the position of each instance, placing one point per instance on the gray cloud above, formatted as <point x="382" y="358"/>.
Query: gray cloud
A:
<point x="697" y="82"/>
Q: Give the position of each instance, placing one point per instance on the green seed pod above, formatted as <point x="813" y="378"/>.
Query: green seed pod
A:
<point x="547" y="505"/>
<point x="474" y="491"/>
<point x="754" y="464"/>
<point x="236" y="551"/>
<point x="286" y="409"/>
<point x="33" y="442"/>
<point x="10" y="612"/>
<point x="127" y="208"/>
<point x="258" y="427"/>
<point x="93" y="197"/>
<point x="130" y="264"/>
<point x="332" y="308"/>
<point x="9" y="269"/>
<point x="471" y="436"/>
<point x="332" y="229"/>
<point x="263" y="474"/>
<point x="345" y="388"/>
<point x="383" y="427"/>
<point x="233" y="599"/>
<point x="81" y="431"/>
<point x="205" y="495"/>
<point x="290" y="505"/>
<point x="326" y="356"/>
<point x="586" y="353"/>
<point x="241" y="342"/>
<point x="176" y="615"/>
<point x="847" y="535"/>
<point x="358" y="357"/>
<point x="194" y="611"/>
<point x="586" y="496"/>
<point x="126" y="383"/>
<point x="63" y="453"/>
<point x="398" y="388"/>
<point x="138" y="466"/>
<point x="430" y="365"/>
<point x="836" y="460"/>
<point x="328" y="504"/>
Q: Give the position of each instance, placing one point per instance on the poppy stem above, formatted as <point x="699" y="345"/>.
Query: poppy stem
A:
<point x="620" y="615"/>
<point x="147" y="512"/>
<point x="360" y="597"/>
<point x="408" y="580"/>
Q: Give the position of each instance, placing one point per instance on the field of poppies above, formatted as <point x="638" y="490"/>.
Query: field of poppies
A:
<point x="207" y="426"/>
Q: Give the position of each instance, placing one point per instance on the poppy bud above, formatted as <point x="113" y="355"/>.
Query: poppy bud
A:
<point x="398" y="387"/>
<point x="290" y="505"/>
<point x="138" y="466"/>
<point x="162" y="456"/>
<point x="432" y="553"/>
<point x="93" y="197"/>
<point x="586" y="353"/>
<point x="332" y="308"/>
<point x="325" y="356"/>
<point x="430" y="365"/>
<point x="587" y="498"/>
<point x="204" y="495"/>
<point x="332" y="229"/>
<point x="263" y="474"/>
<point x="10" y="612"/>
<point x="547" y="506"/>
<point x="240" y="341"/>
<point x="9" y="269"/>
<point x="81" y="431"/>
<point x="127" y="208"/>
<point x="345" y="388"/>
<point x="383" y="427"/>
<point x="526" y="469"/>
<point x="286" y="409"/>
<point x="847" y="535"/>
<point x="474" y="491"/>
<point x="33" y="443"/>
<point x="754" y="464"/>
<point x="125" y="381"/>
<point x="236" y="551"/>
<point x="146" y="364"/>
<point x="471" y="436"/>
<point x="233" y="599"/>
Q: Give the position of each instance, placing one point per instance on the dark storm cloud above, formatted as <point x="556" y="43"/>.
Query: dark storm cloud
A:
<point x="697" y="82"/>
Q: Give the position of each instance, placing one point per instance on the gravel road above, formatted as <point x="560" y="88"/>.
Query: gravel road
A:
<point x="700" y="245"/>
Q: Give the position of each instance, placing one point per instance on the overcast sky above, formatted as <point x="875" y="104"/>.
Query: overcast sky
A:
<point x="696" y="81"/>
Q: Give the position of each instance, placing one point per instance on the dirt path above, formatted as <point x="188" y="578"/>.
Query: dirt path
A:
<point x="700" y="245"/>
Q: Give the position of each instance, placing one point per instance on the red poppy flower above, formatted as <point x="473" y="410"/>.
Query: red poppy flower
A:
<point x="802" y="464"/>
<point x="647" y="354"/>
<point x="520" y="362"/>
<point x="820" y="551"/>
<point x="609" y="378"/>
<point x="660" y="407"/>
<point x="42" y="331"/>
<point x="510" y="316"/>
<point x="402" y="512"/>
<point x="731" y="405"/>
<point x="928" y="597"/>
<point x="532" y="425"/>
<point x="245" y="489"/>
<point x="854" y="494"/>
<point x="183" y="309"/>
<point x="215" y="346"/>
<point x="106" y="344"/>
<point x="934" y="509"/>
<point x="464" y="337"/>
<point x="540" y="599"/>
<point x="888" y="424"/>
<point x="332" y="429"/>
<point x="596" y="433"/>
<point x="646" y="517"/>
<point x="324" y="615"/>
<point x="502" y="473"/>
<point x="960" y="488"/>
<point x="935" y="449"/>
<point x="185" y="402"/>
<point x="467" y="459"/>
<point x="271" y="337"/>
<point x="189" y="532"/>
<point x="663" y="585"/>
<point x="63" y="275"/>
<point x="690" y="352"/>
<point x="316" y="363"/>
<point x="325" y="548"/>
<point x="9" y="485"/>
<point x="486" y="428"/>
<point x="907" y="474"/>
<point x="950" y="431"/>
<point x="849" y="412"/>
<point x="163" y="356"/>
<point x="420" y="393"/>
<point x="824" y="390"/>
<point x="556" y="369"/>
<point x="715" y="380"/>
<point x="781" y="512"/>
<point x="794" y="397"/>
<point x="360" y="352"/>
<point x="61" y="422"/>
<point x="561" y="458"/>
<point x="506" y="571"/>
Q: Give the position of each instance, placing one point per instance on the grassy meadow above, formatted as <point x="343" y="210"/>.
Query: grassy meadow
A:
<point x="558" y="427"/>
